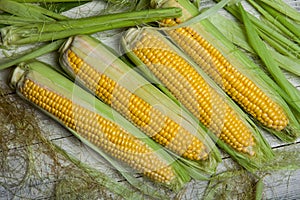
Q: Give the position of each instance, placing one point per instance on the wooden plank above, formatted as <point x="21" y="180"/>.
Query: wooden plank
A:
<point x="278" y="185"/>
<point x="193" y="189"/>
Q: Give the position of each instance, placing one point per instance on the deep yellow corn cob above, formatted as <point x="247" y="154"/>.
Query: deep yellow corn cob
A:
<point x="238" y="86"/>
<point x="188" y="86"/>
<point x="100" y="131"/>
<point x="150" y="120"/>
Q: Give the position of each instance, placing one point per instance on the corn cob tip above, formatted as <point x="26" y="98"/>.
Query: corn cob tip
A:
<point x="157" y="3"/>
<point x="250" y="151"/>
<point x="130" y="35"/>
<point x="66" y="44"/>
<point x="16" y="76"/>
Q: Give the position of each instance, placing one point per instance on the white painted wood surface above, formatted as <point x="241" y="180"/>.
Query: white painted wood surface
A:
<point x="278" y="185"/>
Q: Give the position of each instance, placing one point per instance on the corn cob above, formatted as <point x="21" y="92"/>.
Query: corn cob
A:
<point x="76" y="59"/>
<point x="240" y="84"/>
<point x="192" y="90"/>
<point x="160" y="61"/>
<point x="237" y="85"/>
<point x="90" y="120"/>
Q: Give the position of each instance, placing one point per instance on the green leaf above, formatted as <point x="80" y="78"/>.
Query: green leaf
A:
<point x="260" y="48"/>
<point x="278" y="20"/>
<point x="268" y="33"/>
<point x="283" y="20"/>
<point x="30" y="54"/>
<point x="200" y="16"/>
<point x="42" y="32"/>
<point x="22" y="10"/>
<point x="284" y="8"/>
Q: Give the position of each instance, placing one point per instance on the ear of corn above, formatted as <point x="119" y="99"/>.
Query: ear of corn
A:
<point x="231" y="128"/>
<point x="96" y="124"/>
<point x="240" y="83"/>
<point x="96" y="68"/>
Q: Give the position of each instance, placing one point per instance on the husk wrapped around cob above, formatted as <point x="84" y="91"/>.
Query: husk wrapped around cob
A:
<point x="238" y="76"/>
<point x="97" y="125"/>
<point x="48" y="29"/>
<point x="165" y="64"/>
<point x="98" y="69"/>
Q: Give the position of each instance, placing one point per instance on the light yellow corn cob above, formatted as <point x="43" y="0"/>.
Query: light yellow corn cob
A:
<point x="150" y="120"/>
<point x="187" y="85"/>
<point x="100" y="131"/>
<point x="238" y="86"/>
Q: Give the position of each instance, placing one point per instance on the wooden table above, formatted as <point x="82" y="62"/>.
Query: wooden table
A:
<point x="278" y="185"/>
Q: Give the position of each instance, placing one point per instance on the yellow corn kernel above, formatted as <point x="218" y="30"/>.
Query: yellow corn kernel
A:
<point x="238" y="86"/>
<point x="193" y="92"/>
<point x="100" y="131"/>
<point x="151" y="121"/>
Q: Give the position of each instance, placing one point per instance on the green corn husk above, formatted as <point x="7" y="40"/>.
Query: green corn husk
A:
<point x="30" y="54"/>
<point x="247" y="67"/>
<point x="280" y="21"/>
<point x="56" y="6"/>
<point x="46" y="12"/>
<point x="101" y="58"/>
<point x="23" y="10"/>
<point x="235" y="33"/>
<point x="196" y="18"/>
<point x="284" y="8"/>
<point x="19" y="14"/>
<point x="44" y="76"/>
<point x="50" y="31"/>
<point x="6" y="19"/>
<point x="266" y="32"/>
<point x="60" y="7"/>
<point x="263" y="151"/>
